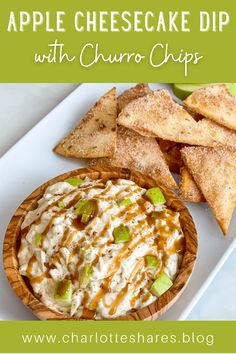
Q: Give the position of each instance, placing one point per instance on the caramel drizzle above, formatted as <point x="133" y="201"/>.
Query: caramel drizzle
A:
<point x="137" y="285"/>
<point x="117" y="195"/>
<point x="116" y="264"/>
<point x="49" y="207"/>
<point x="71" y="203"/>
<point x="31" y="262"/>
<point x="124" y="252"/>
<point x="65" y="236"/>
<point x="120" y="297"/>
<point x="123" y="293"/>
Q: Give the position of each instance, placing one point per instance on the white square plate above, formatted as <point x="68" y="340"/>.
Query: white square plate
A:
<point x="31" y="162"/>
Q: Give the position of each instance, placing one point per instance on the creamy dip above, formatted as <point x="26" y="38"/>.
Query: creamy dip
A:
<point x="57" y="246"/>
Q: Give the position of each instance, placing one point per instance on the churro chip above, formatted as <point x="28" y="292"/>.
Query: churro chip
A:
<point x="139" y="153"/>
<point x="95" y="135"/>
<point x="131" y="94"/>
<point x="172" y="153"/>
<point x="221" y="135"/>
<point x="216" y="103"/>
<point x="156" y="114"/>
<point x="214" y="171"/>
<point x="189" y="191"/>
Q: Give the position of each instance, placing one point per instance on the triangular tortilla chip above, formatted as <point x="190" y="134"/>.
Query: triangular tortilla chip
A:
<point x="214" y="171"/>
<point x="216" y="103"/>
<point x="156" y="114"/>
<point x="189" y="191"/>
<point x="138" y="153"/>
<point x="131" y="94"/>
<point x="221" y="135"/>
<point x="95" y="135"/>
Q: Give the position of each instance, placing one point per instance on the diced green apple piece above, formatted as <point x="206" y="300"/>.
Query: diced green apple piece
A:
<point x="155" y="195"/>
<point x="85" y="275"/>
<point x="121" y="234"/>
<point x="124" y="202"/>
<point x="61" y="204"/>
<point x="74" y="181"/>
<point x="151" y="262"/>
<point x="232" y="88"/>
<point x="88" y="211"/>
<point x="85" y="218"/>
<point x="79" y="206"/>
<point x="89" y="207"/>
<point x="38" y="239"/>
<point x="161" y="285"/>
<point x="64" y="290"/>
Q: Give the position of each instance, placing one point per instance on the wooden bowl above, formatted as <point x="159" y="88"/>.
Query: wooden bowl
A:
<point x="12" y="240"/>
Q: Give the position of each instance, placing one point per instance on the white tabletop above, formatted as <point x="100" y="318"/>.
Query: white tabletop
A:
<point x="23" y="105"/>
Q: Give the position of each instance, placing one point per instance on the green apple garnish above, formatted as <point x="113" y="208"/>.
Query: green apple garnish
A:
<point x="85" y="218"/>
<point x="155" y="195"/>
<point x="121" y="234"/>
<point x="86" y="275"/>
<point x="38" y="239"/>
<point x="79" y="206"/>
<point x="124" y="202"/>
<point x="86" y="209"/>
<point x="61" y="204"/>
<point x="64" y="290"/>
<point x="74" y="181"/>
<point x="161" y="285"/>
<point x="151" y="262"/>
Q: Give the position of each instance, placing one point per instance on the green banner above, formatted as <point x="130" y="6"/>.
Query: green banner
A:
<point x="117" y="41"/>
<point x="117" y="337"/>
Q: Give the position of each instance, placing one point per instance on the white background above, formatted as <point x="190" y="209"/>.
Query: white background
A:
<point x="23" y="105"/>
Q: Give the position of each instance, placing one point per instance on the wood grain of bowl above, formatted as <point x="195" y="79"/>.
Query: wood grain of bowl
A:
<point x="12" y="240"/>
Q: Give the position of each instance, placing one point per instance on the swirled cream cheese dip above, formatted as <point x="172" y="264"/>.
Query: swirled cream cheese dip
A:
<point x="95" y="249"/>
